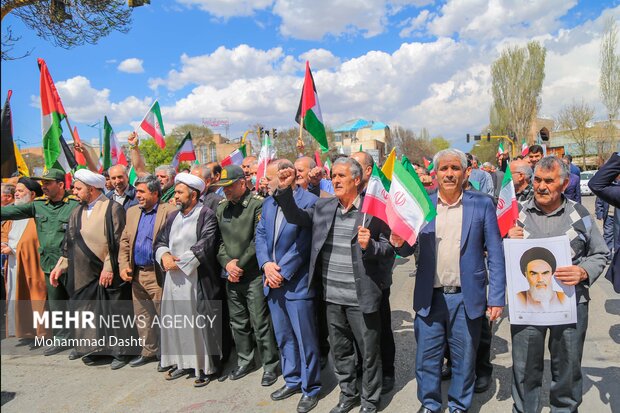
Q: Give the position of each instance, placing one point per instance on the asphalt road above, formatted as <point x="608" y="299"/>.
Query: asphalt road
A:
<point x="32" y="382"/>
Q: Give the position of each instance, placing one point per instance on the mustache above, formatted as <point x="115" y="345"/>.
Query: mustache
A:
<point x="543" y="192"/>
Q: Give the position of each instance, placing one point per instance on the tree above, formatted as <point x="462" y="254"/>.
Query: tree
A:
<point x="610" y="74"/>
<point x="438" y="143"/>
<point x="574" y="119"/>
<point x="195" y="129"/>
<point x="517" y="78"/>
<point x="485" y="151"/>
<point x="66" y="23"/>
<point x="155" y="156"/>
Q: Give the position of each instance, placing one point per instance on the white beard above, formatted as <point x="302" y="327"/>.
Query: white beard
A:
<point x="542" y="296"/>
<point x="24" y="200"/>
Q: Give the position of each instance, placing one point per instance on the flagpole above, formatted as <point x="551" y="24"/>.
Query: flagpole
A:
<point x="301" y="138"/>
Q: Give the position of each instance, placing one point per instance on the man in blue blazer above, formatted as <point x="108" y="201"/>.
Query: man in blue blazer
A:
<point x="283" y="253"/>
<point x="450" y="296"/>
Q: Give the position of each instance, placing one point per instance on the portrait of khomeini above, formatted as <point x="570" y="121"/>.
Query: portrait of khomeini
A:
<point x="538" y="265"/>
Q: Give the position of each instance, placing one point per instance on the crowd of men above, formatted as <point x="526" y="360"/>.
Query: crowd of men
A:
<point x="291" y="269"/>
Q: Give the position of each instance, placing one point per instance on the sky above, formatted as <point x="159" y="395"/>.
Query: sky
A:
<point x="414" y="63"/>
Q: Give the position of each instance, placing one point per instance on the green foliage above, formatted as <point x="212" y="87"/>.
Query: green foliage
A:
<point x="485" y="151"/>
<point x="154" y="155"/>
<point x="196" y="130"/>
<point x="438" y="143"/>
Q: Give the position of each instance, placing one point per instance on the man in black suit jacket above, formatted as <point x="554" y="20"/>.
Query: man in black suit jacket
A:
<point x="602" y="185"/>
<point x="352" y="257"/>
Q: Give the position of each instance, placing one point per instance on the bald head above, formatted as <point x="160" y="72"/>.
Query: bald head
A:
<point x="366" y="162"/>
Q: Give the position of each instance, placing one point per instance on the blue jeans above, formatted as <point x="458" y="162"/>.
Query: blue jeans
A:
<point x="446" y="322"/>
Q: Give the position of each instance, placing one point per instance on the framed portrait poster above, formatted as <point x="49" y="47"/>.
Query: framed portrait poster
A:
<point x="535" y="297"/>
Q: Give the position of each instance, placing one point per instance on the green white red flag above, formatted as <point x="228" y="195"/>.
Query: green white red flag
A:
<point x="377" y="195"/>
<point x="133" y="176"/>
<point x="507" y="208"/>
<point x="185" y="151"/>
<point x="309" y="112"/>
<point x="236" y="157"/>
<point x="52" y="113"/>
<point x="408" y="208"/>
<point x="112" y="151"/>
<point x="267" y="154"/>
<point x="524" y="148"/>
<point x="153" y="125"/>
<point x="500" y="148"/>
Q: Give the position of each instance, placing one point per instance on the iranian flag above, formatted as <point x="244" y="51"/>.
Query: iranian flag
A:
<point x="185" y="151"/>
<point x="507" y="208"/>
<point x="328" y="166"/>
<point x="133" y="175"/>
<point x="377" y="195"/>
<point x="153" y="125"/>
<point x="112" y="152"/>
<point x="317" y="159"/>
<point x="500" y="148"/>
<point x="52" y="113"/>
<point x="236" y="157"/>
<point x="309" y="112"/>
<point x="408" y="208"/>
<point x="267" y="154"/>
<point x="524" y="148"/>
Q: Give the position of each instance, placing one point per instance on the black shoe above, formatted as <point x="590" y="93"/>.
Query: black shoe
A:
<point x="367" y="409"/>
<point x="74" y="355"/>
<point x="482" y="384"/>
<point x="161" y="369"/>
<point x="446" y="372"/>
<point x="118" y="363"/>
<point x="284" y="392"/>
<point x="388" y="384"/>
<point x="269" y="378"/>
<point x="50" y="351"/>
<point x="307" y="403"/>
<point x="344" y="407"/>
<point x="141" y="361"/>
<point x="241" y="371"/>
<point x="89" y="360"/>
<point x="425" y="410"/>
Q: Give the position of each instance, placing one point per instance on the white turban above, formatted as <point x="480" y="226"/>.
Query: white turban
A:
<point x="90" y="178"/>
<point x="190" y="180"/>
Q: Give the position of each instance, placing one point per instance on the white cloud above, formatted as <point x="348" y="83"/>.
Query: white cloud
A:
<point x="221" y="67"/>
<point x="228" y="8"/>
<point x="486" y="20"/>
<point x="83" y="103"/>
<point x="319" y="59"/>
<point x="417" y="24"/>
<point x="131" y="65"/>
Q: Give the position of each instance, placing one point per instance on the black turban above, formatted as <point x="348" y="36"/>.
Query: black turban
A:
<point x="537" y="253"/>
<point x="32" y="185"/>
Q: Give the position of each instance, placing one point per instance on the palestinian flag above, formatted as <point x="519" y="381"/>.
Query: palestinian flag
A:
<point x="507" y="208"/>
<point x="267" y="154"/>
<point x="52" y="113"/>
<point x="153" y="125"/>
<point x="185" y="151"/>
<point x="377" y="195"/>
<point x="309" y="112"/>
<point x="388" y="166"/>
<point x="112" y="151"/>
<point x="12" y="160"/>
<point x="408" y="208"/>
<point x="524" y="148"/>
<point x="236" y="157"/>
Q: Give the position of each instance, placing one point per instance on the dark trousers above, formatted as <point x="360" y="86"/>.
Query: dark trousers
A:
<point x="250" y="319"/>
<point x="566" y="350"/>
<point x="58" y="300"/>
<point x="388" y="348"/>
<point x="608" y="233"/>
<point x="349" y="327"/>
<point x="294" y="323"/>
<point x="447" y="320"/>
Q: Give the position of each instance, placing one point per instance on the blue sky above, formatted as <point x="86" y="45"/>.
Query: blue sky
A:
<point x="415" y="63"/>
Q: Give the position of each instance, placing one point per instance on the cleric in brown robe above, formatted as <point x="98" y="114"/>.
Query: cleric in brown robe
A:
<point x="91" y="259"/>
<point x="25" y="280"/>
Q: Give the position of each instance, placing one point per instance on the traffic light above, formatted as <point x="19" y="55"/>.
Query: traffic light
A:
<point x="476" y="137"/>
<point x="260" y="132"/>
<point x="274" y="133"/>
<point x="488" y="136"/>
<point x="468" y="138"/>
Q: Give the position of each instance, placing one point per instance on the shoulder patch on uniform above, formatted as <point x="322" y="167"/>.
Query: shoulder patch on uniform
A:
<point x="259" y="197"/>
<point x="41" y="198"/>
<point x="71" y="198"/>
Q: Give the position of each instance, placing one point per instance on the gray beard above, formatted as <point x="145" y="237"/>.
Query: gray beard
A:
<point x="25" y="200"/>
<point x="542" y="296"/>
